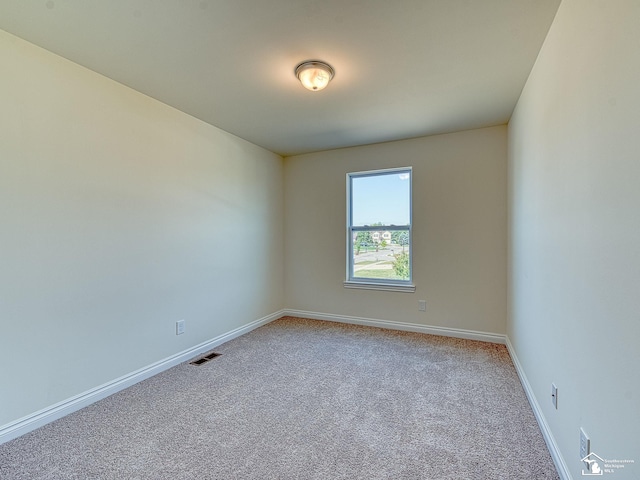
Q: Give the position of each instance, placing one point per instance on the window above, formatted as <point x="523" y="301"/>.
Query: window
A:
<point x="379" y="230"/>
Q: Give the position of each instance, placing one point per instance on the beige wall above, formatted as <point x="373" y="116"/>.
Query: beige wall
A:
<point x="120" y="215"/>
<point x="459" y="220"/>
<point x="575" y="229"/>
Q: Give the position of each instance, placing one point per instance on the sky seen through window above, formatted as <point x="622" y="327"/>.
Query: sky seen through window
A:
<point x="381" y="199"/>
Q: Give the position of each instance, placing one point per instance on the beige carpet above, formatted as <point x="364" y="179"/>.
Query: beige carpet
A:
<point x="303" y="399"/>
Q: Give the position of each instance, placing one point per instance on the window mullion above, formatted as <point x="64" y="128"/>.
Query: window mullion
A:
<point x="381" y="228"/>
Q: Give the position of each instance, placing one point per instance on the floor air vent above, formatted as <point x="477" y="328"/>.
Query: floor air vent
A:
<point x="205" y="359"/>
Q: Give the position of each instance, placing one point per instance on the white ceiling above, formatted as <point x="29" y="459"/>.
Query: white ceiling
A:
<point x="404" y="68"/>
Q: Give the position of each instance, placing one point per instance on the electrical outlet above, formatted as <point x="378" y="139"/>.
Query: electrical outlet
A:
<point x="422" y="305"/>
<point x="179" y="327"/>
<point x="554" y="395"/>
<point x="585" y="446"/>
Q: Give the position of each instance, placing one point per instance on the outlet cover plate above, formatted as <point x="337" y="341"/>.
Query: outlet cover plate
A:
<point x="179" y="327"/>
<point x="585" y="445"/>
<point x="554" y="395"/>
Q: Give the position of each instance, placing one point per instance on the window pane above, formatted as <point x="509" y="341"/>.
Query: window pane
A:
<point x="382" y="199"/>
<point x="379" y="228"/>
<point x="381" y="255"/>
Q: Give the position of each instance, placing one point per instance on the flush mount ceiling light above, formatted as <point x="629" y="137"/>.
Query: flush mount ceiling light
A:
<point x="314" y="75"/>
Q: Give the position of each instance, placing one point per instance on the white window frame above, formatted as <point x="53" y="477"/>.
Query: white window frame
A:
<point x="374" y="283"/>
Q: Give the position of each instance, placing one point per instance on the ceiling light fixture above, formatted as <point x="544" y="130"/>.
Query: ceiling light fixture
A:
<point x="314" y="75"/>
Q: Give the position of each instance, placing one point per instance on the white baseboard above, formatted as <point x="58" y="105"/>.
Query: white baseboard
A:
<point x="557" y="457"/>
<point x="59" y="410"/>
<point x="407" y="327"/>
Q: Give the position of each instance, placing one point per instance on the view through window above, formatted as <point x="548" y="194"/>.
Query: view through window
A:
<point x="379" y="226"/>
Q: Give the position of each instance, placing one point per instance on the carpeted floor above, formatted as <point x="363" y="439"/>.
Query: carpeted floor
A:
<point x="304" y="399"/>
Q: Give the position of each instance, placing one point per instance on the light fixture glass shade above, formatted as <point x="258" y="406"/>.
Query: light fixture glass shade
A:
<point x="314" y="75"/>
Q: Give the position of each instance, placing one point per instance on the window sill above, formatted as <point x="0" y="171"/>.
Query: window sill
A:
<point x="388" y="287"/>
